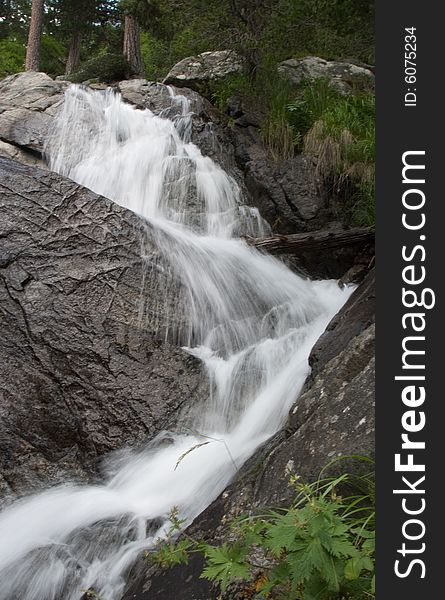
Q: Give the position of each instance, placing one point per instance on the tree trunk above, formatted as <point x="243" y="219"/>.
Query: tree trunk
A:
<point x="74" y="53"/>
<point x="313" y="241"/>
<point x="132" y="44"/>
<point x="32" y="62"/>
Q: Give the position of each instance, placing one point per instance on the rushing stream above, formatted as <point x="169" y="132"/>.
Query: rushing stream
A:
<point x="250" y="320"/>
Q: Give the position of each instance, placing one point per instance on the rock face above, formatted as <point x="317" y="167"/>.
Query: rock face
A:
<point x="16" y="153"/>
<point x="83" y="370"/>
<point x="334" y="416"/>
<point x="196" y="71"/>
<point x="288" y="192"/>
<point x="345" y="77"/>
<point x="28" y="102"/>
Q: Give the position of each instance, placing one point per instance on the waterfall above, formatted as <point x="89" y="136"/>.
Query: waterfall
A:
<point x="249" y="319"/>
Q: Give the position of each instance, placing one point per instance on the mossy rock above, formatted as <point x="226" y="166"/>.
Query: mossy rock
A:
<point x="105" y="69"/>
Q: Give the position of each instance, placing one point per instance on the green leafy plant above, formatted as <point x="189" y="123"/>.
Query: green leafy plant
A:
<point x="319" y="548"/>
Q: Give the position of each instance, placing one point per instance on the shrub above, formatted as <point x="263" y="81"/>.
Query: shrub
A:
<point x="51" y="56"/>
<point x="342" y="137"/>
<point x="219" y="92"/>
<point x="155" y="55"/>
<point x="321" y="547"/>
<point x="12" y="57"/>
<point x="106" y="68"/>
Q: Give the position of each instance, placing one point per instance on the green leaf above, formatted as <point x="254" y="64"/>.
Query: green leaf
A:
<point x="316" y="589"/>
<point x="368" y="563"/>
<point x="308" y="557"/>
<point x="173" y="553"/>
<point x="364" y="533"/>
<point x="343" y="547"/>
<point x="353" y="568"/>
<point x="368" y="546"/>
<point x="225" y="563"/>
<point x="282" y="535"/>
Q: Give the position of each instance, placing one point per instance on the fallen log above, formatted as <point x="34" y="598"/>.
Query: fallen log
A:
<point x="312" y="241"/>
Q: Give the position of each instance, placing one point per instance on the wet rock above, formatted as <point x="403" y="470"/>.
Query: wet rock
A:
<point x="287" y="192"/>
<point x="84" y="369"/>
<point x="196" y="71"/>
<point x="343" y="76"/>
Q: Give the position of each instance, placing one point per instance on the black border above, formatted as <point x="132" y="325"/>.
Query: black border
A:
<point x="400" y="129"/>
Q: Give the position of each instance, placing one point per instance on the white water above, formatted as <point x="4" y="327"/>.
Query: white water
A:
<point x="251" y="321"/>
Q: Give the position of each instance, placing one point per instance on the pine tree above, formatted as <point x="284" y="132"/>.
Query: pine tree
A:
<point x="32" y="62"/>
<point x="132" y="44"/>
<point x="137" y="13"/>
<point x="73" y="59"/>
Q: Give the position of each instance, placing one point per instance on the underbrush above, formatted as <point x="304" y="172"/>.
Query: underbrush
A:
<point x="319" y="548"/>
<point x="338" y="130"/>
<point x="106" y="68"/>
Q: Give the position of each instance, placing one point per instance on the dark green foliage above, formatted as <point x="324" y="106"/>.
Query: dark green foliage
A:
<point x="106" y="68"/>
<point x="265" y="31"/>
<point x="12" y="57"/>
<point x="340" y="131"/>
<point x="15" y="16"/>
<point x="52" y="53"/>
<point x="320" y="548"/>
<point x="155" y="56"/>
<point x="13" y="33"/>
<point x="328" y="28"/>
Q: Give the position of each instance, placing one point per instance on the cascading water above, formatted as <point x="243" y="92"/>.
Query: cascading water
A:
<point x="251" y="321"/>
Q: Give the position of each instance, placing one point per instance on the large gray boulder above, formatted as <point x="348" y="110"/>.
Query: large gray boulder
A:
<point x="196" y="71"/>
<point x="28" y="103"/>
<point x="84" y="369"/>
<point x="343" y="76"/>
